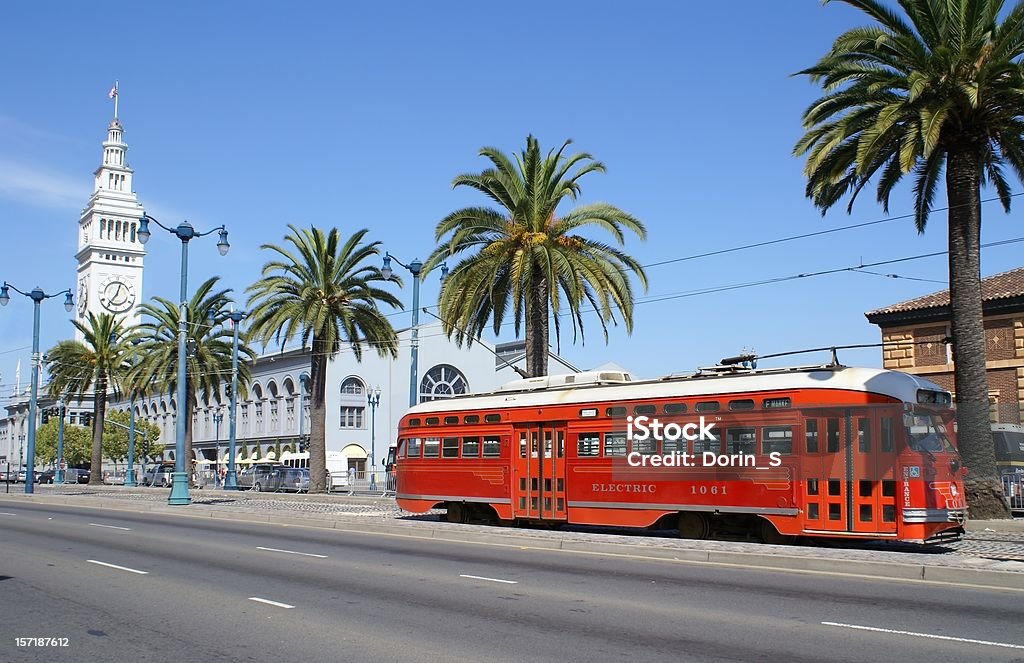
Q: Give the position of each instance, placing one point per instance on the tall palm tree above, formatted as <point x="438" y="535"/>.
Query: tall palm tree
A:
<point x="99" y="362"/>
<point x="526" y="257"/>
<point x="323" y="290"/>
<point x="935" y="89"/>
<point x="208" y="363"/>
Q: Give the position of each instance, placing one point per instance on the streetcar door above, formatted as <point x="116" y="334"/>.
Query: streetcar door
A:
<point x="826" y="478"/>
<point x="874" y="468"/>
<point x="539" y="481"/>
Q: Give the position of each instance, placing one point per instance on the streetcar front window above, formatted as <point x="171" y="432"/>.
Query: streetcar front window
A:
<point x="926" y="432"/>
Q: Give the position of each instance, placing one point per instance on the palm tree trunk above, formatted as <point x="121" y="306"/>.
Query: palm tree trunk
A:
<point x="974" y="434"/>
<point x="318" y="417"/>
<point x="537" y="326"/>
<point x="99" y="411"/>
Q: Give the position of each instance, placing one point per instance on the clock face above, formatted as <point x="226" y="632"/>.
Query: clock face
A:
<point x="117" y="295"/>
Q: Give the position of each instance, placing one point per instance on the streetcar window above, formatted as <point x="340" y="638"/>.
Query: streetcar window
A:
<point x="711" y="444"/>
<point x="743" y="404"/>
<point x="414" y="447"/>
<point x="588" y="412"/>
<point x="522" y="444"/>
<point x="864" y="435"/>
<point x="588" y="444"/>
<point x="888" y="513"/>
<point x="675" y="408"/>
<point x="492" y="447"/>
<point x="887" y="434"/>
<point x="451" y="421"/>
<point x="431" y="446"/>
<point x="471" y="419"/>
<point x="614" y="444"/>
<point x="708" y="406"/>
<point x="668" y="446"/>
<point x="414" y="422"/>
<point x="864" y="488"/>
<point x="450" y="447"/>
<point x="888" y="488"/>
<point x="832" y="444"/>
<point x="615" y="412"/>
<point x="740" y="440"/>
<point x="492" y="418"/>
<point x="433" y="421"/>
<point x="777" y="439"/>
<point x="835" y="512"/>
<point x="470" y="447"/>
<point x="645" y="410"/>
<point x="812" y="436"/>
<point x="646" y="447"/>
<point x="834" y="486"/>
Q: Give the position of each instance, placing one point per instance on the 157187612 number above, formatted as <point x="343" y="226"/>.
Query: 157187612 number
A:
<point x="41" y="642"/>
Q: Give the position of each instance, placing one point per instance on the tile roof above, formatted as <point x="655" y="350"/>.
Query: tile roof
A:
<point x="998" y="286"/>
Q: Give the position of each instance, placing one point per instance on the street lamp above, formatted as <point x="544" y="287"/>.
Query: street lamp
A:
<point x="129" y="474"/>
<point x="217" y="418"/>
<point x="185" y="232"/>
<point x="373" y="399"/>
<point x="231" y="478"/>
<point x="37" y="296"/>
<point x="59" y="474"/>
<point x="414" y="267"/>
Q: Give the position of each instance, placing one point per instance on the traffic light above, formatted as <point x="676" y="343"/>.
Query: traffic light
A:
<point x="45" y="416"/>
<point x="85" y="418"/>
<point x="227" y="391"/>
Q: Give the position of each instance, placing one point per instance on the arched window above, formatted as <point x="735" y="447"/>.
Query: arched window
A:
<point x="443" y="381"/>
<point x="352" y="387"/>
<point x="353" y="403"/>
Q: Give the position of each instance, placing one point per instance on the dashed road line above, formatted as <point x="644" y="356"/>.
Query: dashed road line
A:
<point x="269" y="602"/>
<point x="115" y="566"/>
<point x="127" y="529"/>
<point x="291" y="552"/>
<point x="931" y="636"/>
<point x="507" y="582"/>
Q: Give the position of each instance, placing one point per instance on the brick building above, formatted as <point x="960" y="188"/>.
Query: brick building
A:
<point x="916" y="334"/>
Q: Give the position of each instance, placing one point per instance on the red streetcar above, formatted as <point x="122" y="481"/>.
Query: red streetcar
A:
<point x="823" y="451"/>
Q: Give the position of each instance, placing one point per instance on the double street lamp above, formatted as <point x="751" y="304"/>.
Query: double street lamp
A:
<point x="415" y="268"/>
<point x="231" y="477"/>
<point x="37" y="296"/>
<point x="185" y="232"/>
<point x="373" y="400"/>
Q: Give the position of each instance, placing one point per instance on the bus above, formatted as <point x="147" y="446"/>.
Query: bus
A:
<point x="1009" y="445"/>
<point x="825" y="451"/>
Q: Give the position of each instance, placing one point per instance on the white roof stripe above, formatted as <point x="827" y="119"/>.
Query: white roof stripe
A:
<point x="873" y="380"/>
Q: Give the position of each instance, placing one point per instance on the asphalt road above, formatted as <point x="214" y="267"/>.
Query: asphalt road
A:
<point x="218" y="591"/>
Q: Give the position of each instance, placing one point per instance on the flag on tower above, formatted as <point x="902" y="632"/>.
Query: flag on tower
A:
<point x="113" y="91"/>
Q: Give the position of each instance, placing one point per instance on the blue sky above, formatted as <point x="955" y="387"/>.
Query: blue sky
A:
<point x="257" y="115"/>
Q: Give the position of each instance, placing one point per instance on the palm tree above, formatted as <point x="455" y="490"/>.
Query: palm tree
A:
<point x="208" y="363"/>
<point x="323" y="291"/>
<point x="944" y="92"/>
<point x="526" y="257"/>
<point x="99" y="362"/>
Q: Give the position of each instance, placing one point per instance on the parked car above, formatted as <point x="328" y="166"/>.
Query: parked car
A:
<point x="159" y="474"/>
<point x="46" y="476"/>
<point x="20" y="476"/>
<point x="258" y="477"/>
<point x="76" y="475"/>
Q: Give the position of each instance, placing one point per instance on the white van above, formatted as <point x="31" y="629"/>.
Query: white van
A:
<point x="337" y="466"/>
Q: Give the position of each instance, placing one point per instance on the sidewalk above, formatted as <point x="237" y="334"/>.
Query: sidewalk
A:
<point x="992" y="553"/>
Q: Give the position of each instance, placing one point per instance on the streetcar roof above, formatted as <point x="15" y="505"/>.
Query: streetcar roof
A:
<point x="902" y="386"/>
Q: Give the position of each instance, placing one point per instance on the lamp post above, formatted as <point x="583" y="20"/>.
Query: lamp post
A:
<point x="414" y="267"/>
<point x="231" y="478"/>
<point x="185" y="232"/>
<point x="37" y="296"/>
<point x="373" y="399"/>
<point x="59" y="474"/>
<point x="217" y="418"/>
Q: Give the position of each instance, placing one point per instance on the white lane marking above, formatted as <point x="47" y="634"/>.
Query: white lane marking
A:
<point x="291" y="552"/>
<point x="115" y="566"/>
<point x="127" y="529"/>
<point x="924" y="635"/>
<point x="7" y="513"/>
<point x="269" y="602"/>
<point x="507" y="582"/>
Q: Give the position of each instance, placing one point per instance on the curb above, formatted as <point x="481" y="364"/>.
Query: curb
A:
<point x="987" y="578"/>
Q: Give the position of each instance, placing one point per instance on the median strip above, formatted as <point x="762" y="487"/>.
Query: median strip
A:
<point x="931" y="636"/>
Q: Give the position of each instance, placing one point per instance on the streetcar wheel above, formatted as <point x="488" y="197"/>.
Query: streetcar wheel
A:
<point x="693" y="525"/>
<point x="456" y="513"/>
<point x="771" y="535"/>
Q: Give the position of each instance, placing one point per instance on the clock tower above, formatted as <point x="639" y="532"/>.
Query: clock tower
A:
<point x="109" y="251"/>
